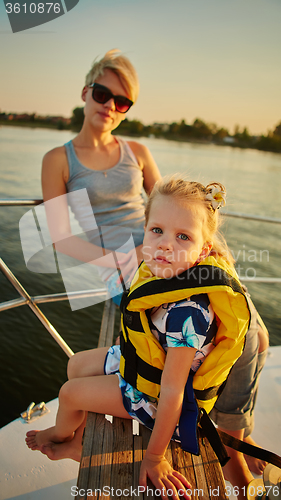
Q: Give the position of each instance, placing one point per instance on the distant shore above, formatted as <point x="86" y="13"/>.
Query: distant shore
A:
<point x="14" y="123"/>
<point x="175" y="132"/>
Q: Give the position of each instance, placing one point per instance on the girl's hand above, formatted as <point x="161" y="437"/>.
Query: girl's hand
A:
<point x="163" y="477"/>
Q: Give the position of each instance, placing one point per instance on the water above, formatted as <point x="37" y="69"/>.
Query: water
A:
<point x="32" y="365"/>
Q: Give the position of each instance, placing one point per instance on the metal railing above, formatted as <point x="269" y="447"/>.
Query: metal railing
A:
<point x="33" y="301"/>
<point x="10" y="202"/>
<point x="259" y="218"/>
<point x="26" y="299"/>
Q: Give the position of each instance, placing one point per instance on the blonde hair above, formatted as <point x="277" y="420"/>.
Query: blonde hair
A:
<point x="121" y="66"/>
<point x="194" y="192"/>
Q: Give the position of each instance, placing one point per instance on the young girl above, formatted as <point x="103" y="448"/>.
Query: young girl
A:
<point x="185" y="314"/>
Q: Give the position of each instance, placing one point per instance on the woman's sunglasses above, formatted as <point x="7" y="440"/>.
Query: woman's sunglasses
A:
<point x="102" y="94"/>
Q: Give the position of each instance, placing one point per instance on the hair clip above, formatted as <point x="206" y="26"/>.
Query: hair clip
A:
<point x="216" y="194"/>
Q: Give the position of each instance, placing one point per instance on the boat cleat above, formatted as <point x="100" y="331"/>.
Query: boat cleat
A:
<point x="34" y="411"/>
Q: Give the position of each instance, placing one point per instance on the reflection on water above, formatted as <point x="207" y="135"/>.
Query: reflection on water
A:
<point x="32" y="365"/>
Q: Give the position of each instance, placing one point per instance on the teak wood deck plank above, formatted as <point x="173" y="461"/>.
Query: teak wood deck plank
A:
<point x="106" y="462"/>
<point x="112" y="454"/>
<point x="213" y="472"/>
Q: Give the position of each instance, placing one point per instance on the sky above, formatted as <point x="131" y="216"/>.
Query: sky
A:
<point x="218" y="60"/>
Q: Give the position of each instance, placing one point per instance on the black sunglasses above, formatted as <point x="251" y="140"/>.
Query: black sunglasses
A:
<point x="102" y="94"/>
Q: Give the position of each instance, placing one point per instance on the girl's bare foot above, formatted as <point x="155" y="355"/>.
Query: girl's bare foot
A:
<point x="69" y="449"/>
<point x="255" y="465"/>
<point x="36" y="439"/>
<point x="58" y="451"/>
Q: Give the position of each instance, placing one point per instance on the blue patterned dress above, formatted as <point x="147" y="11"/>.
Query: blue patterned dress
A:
<point x="187" y="323"/>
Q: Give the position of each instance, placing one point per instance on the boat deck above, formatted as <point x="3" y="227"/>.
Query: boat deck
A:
<point x="112" y="458"/>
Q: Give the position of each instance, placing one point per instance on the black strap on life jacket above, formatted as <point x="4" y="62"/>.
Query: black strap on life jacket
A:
<point x="194" y="277"/>
<point x="218" y="439"/>
<point x="211" y="433"/>
<point x="249" y="449"/>
<point x="135" y="365"/>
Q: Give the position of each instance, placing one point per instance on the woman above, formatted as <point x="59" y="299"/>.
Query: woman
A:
<point x="113" y="171"/>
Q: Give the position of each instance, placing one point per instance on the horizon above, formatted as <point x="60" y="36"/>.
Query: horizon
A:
<point x="68" y="118"/>
<point x="218" y="62"/>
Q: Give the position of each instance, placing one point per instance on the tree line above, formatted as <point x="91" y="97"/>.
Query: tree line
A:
<point x="197" y="131"/>
<point x="180" y="131"/>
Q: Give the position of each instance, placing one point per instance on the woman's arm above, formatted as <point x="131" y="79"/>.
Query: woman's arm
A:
<point x="151" y="175"/>
<point x="54" y="178"/>
<point x="147" y="163"/>
<point x="173" y="381"/>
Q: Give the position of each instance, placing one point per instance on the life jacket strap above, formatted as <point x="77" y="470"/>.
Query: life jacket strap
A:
<point x="212" y="435"/>
<point x="210" y="392"/>
<point x="218" y="439"/>
<point x="199" y="277"/>
<point x="188" y="424"/>
<point x="249" y="449"/>
<point x="135" y="365"/>
<point x="188" y="419"/>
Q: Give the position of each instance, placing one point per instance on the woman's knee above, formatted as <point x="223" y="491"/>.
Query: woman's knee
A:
<point x="263" y="339"/>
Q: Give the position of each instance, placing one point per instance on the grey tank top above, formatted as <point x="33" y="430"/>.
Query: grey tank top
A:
<point x="115" y="196"/>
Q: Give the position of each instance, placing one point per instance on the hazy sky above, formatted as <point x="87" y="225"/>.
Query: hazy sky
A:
<point x="218" y="60"/>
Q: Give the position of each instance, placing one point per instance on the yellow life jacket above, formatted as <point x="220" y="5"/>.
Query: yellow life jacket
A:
<point x="143" y="358"/>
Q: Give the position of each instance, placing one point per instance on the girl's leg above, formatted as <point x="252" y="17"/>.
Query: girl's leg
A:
<point x="99" y="394"/>
<point x="82" y="364"/>
<point x="69" y="449"/>
<point x="87" y="363"/>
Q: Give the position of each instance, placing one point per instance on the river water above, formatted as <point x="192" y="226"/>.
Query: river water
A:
<point x="32" y="365"/>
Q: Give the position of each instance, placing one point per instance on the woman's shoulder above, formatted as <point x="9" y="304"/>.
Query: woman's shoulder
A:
<point x="137" y="147"/>
<point x="140" y="151"/>
<point x="55" y="163"/>
<point x="147" y="164"/>
<point x="57" y="152"/>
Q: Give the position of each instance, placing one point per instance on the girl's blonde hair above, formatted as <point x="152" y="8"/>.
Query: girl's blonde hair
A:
<point x="194" y="192"/>
<point x="121" y="66"/>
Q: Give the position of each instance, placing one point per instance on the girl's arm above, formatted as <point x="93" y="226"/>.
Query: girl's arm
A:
<point x="54" y="178"/>
<point x="154" y="464"/>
